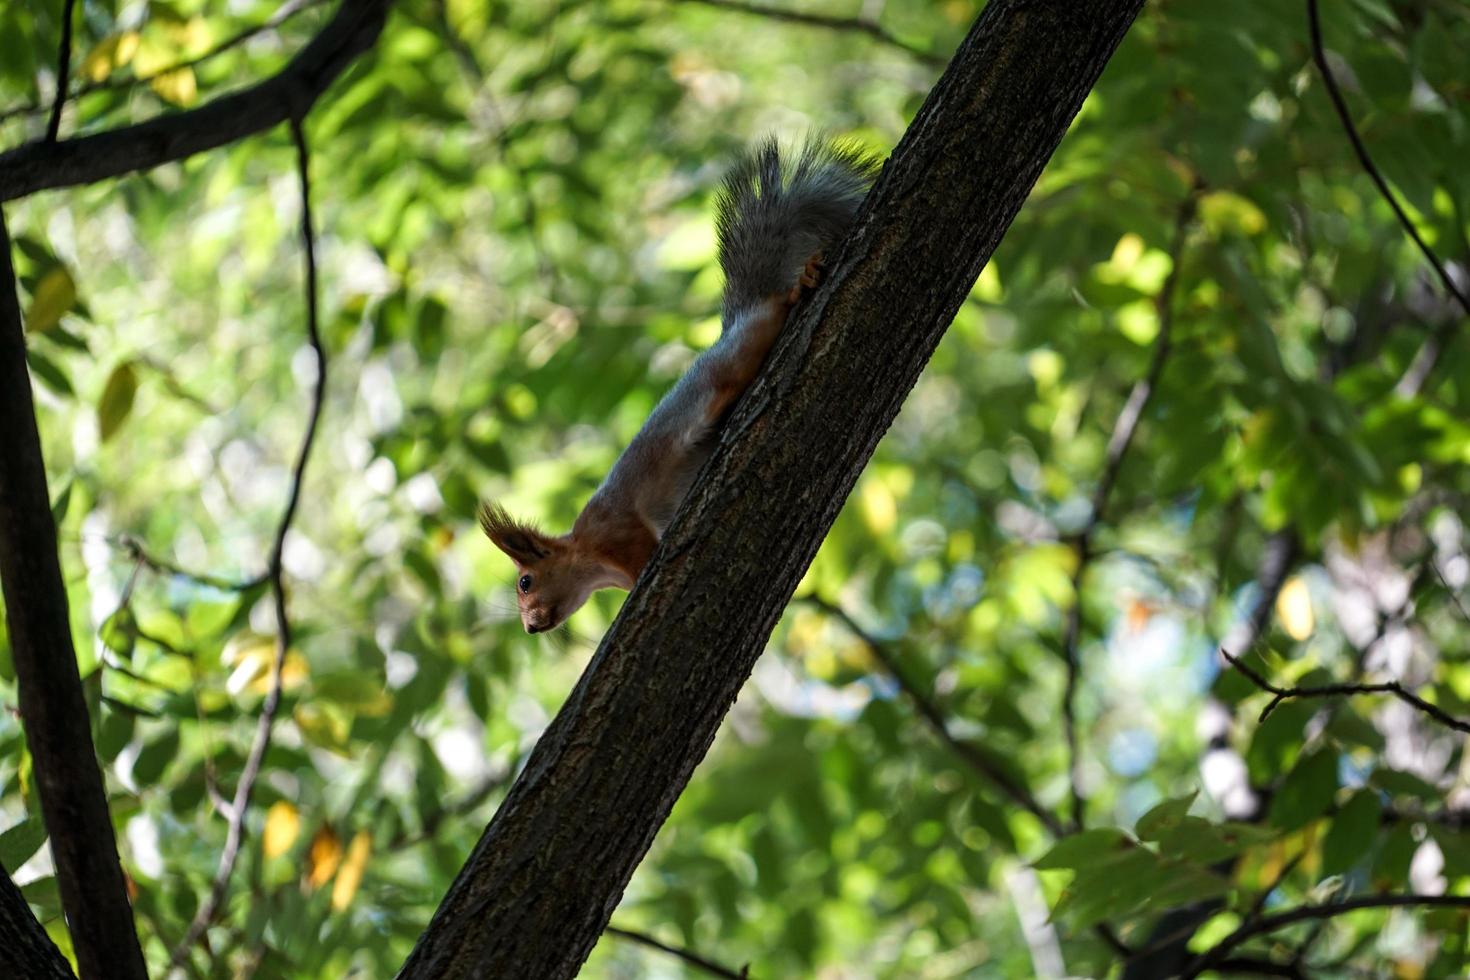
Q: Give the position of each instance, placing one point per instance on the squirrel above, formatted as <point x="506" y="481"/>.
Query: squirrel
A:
<point x="775" y="218"/>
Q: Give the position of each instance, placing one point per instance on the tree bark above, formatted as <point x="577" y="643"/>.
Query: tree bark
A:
<point x="25" y="949"/>
<point x="52" y="709"/>
<point x="286" y="95"/>
<point x="542" y="882"/>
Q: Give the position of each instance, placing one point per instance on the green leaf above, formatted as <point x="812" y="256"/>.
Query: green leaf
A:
<point x="119" y="633"/>
<point x="1084" y="849"/>
<point x="155" y="757"/>
<point x="46" y="371"/>
<point x="1307" y="791"/>
<point x="117" y="399"/>
<point x="54" y="296"/>
<point x="21" y="842"/>
<point x="1404" y="784"/>
<point x="1164" y="817"/>
<point x="1351" y="837"/>
<point x="1201" y="841"/>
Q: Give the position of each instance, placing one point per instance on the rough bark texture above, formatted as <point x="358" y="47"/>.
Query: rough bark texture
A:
<point x="545" y="877"/>
<point x="288" y="94"/>
<point x="52" y="709"/>
<point x="25" y="949"/>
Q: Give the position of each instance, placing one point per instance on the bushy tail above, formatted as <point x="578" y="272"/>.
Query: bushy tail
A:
<point x="775" y="212"/>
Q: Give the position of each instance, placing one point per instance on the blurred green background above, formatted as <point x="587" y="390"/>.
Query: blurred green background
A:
<point x="517" y="259"/>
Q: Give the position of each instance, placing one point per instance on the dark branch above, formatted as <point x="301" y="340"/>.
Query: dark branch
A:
<point x="855" y="25"/>
<point x="1124" y="429"/>
<point x="934" y="718"/>
<point x="113" y="82"/>
<point x="1213" y="957"/>
<point x="235" y="833"/>
<point x="289" y="94"/>
<point x="63" y="72"/>
<point x="1419" y="371"/>
<point x="52" y="707"/>
<point x="694" y="959"/>
<point x="1343" y="690"/>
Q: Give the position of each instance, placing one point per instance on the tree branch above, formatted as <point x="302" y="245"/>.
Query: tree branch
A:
<point x="1423" y="365"/>
<point x="63" y="72"/>
<point x="855" y="25"/>
<point x="235" y="833"/>
<point x="289" y="94"/>
<point x="701" y="963"/>
<point x="1343" y="690"/>
<point x="113" y="82"/>
<point x="540" y="885"/>
<point x="52" y="707"/>
<point x="1212" y="957"/>
<point x="1124" y="429"/>
<point x="25" y="949"/>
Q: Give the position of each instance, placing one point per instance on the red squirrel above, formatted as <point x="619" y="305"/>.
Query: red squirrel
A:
<point x="775" y="218"/>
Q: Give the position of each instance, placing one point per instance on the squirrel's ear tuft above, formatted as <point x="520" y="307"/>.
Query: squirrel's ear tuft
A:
<point x="522" y="542"/>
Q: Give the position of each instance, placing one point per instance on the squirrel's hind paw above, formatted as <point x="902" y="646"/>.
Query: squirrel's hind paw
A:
<point x="811" y="277"/>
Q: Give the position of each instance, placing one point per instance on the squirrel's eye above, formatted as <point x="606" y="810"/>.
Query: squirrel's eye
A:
<point x="525" y="583"/>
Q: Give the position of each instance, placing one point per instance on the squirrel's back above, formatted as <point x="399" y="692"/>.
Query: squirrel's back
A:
<point x="777" y="209"/>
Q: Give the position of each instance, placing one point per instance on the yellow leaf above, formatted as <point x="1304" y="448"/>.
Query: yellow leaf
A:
<point x="55" y="294"/>
<point x="253" y="655"/>
<point x="177" y="86"/>
<point x="323" y="857"/>
<point x="1294" y="607"/>
<point x="325" y="726"/>
<point x="282" y="824"/>
<point x="110" y="54"/>
<point x="350" y="876"/>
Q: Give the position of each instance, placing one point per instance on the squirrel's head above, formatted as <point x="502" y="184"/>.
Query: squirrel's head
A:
<point x="553" y="577"/>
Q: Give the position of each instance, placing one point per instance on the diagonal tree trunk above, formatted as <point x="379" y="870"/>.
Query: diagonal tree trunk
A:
<point x="73" y="801"/>
<point x="543" y="880"/>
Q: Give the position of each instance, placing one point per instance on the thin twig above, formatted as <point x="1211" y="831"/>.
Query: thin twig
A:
<point x="935" y="720"/>
<point x="1124" y="429"/>
<point x="1307" y="913"/>
<point x="687" y="955"/>
<point x="63" y="72"/>
<point x="1419" y="371"/>
<point x="982" y="766"/>
<point x="284" y="13"/>
<point x="135" y="550"/>
<point x="1450" y="590"/>
<point x="856" y="25"/>
<point x="234" y="835"/>
<point x="1343" y="690"/>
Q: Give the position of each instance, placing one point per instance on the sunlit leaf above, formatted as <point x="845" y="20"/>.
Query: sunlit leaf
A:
<point x="1294" y="607"/>
<point x="282" y="824"/>
<point x="323" y="857"/>
<point x="349" y="875"/>
<point x="177" y="86"/>
<point x="110" y="54"/>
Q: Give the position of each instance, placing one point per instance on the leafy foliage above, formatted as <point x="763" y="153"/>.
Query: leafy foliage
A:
<point x="518" y="260"/>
